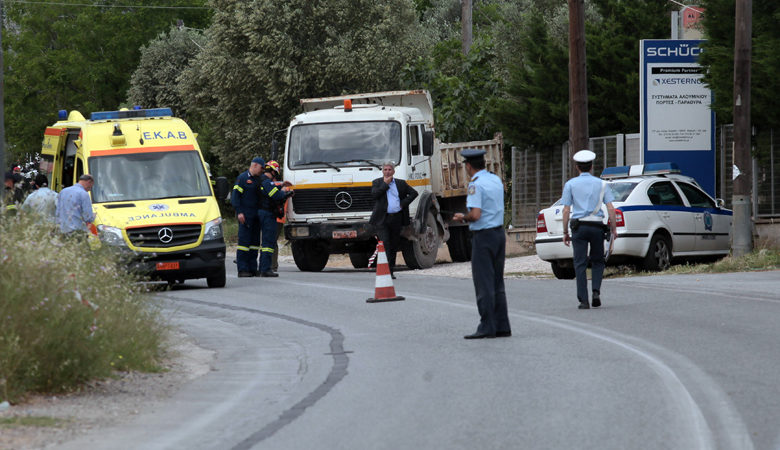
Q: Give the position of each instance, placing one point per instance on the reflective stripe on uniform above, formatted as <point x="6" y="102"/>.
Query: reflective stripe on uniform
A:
<point x="273" y="191"/>
<point x="241" y="247"/>
<point x="267" y="249"/>
<point x="254" y="247"/>
<point x="238" y="188"/>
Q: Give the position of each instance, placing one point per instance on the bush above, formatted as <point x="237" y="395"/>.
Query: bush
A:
<point x="68" y="313"/>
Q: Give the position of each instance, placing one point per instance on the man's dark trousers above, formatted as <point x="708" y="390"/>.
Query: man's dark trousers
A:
<point x="390" y="234"/>
<point x="593" y="236"/>
<point x="488" y="251"/>
<point x="248" y="244"/>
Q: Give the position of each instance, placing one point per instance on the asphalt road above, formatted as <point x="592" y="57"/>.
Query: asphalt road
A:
<point x="303" y="362"/>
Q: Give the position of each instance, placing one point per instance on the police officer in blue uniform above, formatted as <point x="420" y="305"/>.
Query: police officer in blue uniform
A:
<point x="244" y="199"/>
<point x="485" y="202"/>
<point x="582" y="199"/>
<point x="270" y="196"/>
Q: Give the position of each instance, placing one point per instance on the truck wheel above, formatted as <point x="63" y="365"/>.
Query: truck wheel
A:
<point x="459" y="244"/>
<point x="310" y="255"/>
<point x="421" y="253"/>
<point x="563" y="272"/>
<point x="218" y="280"/>
<point x="659" y="255"/>
<point x="360" y="260"/>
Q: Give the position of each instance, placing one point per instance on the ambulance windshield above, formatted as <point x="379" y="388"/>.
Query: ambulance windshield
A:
<point x="148" y="176"/>
<point x="328" y="143"/>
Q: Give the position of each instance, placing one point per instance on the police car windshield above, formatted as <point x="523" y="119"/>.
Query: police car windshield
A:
<point x="148" y="176"/>
<point x="340" y="143"/>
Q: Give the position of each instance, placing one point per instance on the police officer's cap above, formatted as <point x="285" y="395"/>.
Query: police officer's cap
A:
<point x="584" y="156"/>
<point x="259" y="160"/>
<point x="472" y="154"/>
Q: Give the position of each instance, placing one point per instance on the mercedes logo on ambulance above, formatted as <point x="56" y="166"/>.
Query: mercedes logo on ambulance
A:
<point x="165" y="235"/>
<point x="343" y="200"/>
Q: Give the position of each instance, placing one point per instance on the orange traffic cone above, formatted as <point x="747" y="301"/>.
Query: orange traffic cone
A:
<point x="384" y="291"/>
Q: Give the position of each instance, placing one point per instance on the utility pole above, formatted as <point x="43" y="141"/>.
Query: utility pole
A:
<point x="742" y="235"/>
<point x="465" y="25"/>
<point x="578" y="88"/>
<point x="2" y="93"/>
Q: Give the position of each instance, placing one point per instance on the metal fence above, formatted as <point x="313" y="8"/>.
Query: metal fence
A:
<point x="538" y="176"/>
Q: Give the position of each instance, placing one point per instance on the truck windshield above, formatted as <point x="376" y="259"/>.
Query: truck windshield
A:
<point x="148" y="176"/>
<point x="341" y="143"/>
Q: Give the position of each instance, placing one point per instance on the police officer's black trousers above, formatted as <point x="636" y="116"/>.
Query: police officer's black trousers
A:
<point x="588" y="236"/>
<point x="488" y="251"/>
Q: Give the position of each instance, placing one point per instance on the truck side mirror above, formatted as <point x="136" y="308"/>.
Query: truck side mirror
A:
<point x="222" y="189"/>
<point x="427" y="143"/>
<point x="274" y="149"/>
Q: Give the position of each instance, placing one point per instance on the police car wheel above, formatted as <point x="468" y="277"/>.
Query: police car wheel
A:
<point x="562" y="272"/>
<point x="659" y="254"/>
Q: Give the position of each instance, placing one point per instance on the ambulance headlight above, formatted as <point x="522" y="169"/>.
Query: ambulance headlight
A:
<point x="299" y="231"/>
<point x="111" y="235"/>
<point x="213" y="230"/>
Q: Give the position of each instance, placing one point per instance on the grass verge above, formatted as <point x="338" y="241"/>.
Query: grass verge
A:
<point x="69" y="314"/>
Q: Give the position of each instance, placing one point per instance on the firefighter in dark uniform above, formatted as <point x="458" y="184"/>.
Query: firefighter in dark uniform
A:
<point x="271" y="195"/>
<point x="245" y="199"/>
<point x="485" y="202"/>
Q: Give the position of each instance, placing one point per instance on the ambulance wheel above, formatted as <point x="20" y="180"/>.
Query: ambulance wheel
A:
<point x="218" y="280"/>
<point x="310" y="255"/>
<point x="421" y="253"/>
<point x="659" y="255"/>
<point x="562" y="272"/>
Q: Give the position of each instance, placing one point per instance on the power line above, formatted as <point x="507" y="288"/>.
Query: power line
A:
<point x="106" y="6"/>
<point x="686" y="6"/>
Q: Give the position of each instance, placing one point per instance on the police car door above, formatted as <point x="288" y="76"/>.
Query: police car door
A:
<point x="671" y="209"/>
<point x="712" y="224"/>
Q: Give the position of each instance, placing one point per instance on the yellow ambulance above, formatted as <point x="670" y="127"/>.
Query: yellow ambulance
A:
<point x="152" y="195"/>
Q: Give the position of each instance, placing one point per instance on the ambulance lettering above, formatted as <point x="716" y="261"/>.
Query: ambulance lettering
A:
<point x="152" y="135"/>
<point x="159" y="215"/>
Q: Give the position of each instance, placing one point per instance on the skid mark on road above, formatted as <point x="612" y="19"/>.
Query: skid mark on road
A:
<point x="337" y="373"/>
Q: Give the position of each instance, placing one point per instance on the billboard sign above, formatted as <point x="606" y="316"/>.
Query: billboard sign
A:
<point x="677" y="123"/>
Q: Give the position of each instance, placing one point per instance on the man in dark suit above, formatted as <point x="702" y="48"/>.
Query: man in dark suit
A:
<point x="392" y="198"/>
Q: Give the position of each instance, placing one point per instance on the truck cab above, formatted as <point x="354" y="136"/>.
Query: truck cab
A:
<point x="152" y="196"/>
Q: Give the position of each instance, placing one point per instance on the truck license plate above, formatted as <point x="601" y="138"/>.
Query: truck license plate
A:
<point x="168" y="265"/>
<point x="344" y="234"/>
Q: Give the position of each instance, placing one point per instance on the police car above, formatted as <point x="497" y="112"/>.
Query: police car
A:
<point x="661" y="215"/>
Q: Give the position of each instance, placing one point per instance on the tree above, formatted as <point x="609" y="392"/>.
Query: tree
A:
<point x="534" y="110"/>
<point x="155" y="81"/>
<point x="718" y="59"/>
<point x="613" y="60"/>
<point x="74" y="57"/>
<point x="262" y="56"/>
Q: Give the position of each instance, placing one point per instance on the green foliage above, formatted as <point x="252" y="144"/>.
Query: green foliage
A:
<point x="718" y="59"/>
<point x="69" y="314"/>
<point x="534" y="112"/>
<point x="155" y="81"/>
<point x="613" y="60"/>
<point x="73" y="57"/>
<point x="262" y="56"/>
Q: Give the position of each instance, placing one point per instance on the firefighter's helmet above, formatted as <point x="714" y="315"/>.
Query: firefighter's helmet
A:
<point x="273" y="165"/>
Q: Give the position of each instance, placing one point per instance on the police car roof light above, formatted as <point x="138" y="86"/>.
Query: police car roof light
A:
<point x="660" y="168"/>
<point x="113" y="115"/>
<point x="615" y="172"/>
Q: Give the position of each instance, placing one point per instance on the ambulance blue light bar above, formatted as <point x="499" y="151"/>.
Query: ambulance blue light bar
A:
<point x="661" y="168"/>
<point x="136" y="113"/>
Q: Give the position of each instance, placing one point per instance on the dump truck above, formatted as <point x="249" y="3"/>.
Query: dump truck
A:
<point x="336" y="147"/>
<point x="152" y="198"/>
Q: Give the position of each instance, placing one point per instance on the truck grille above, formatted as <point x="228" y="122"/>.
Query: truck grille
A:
<point x="333" y="200"/>
<point x="164" y="236"/>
